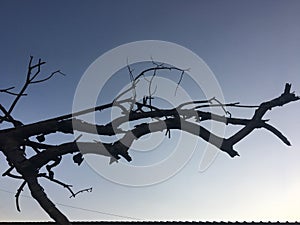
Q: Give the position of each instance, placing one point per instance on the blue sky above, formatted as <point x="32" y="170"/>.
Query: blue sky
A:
<point x="251" y="46"/>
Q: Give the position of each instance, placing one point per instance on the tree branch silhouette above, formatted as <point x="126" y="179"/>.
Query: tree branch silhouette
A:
<point x="186" y="117"/>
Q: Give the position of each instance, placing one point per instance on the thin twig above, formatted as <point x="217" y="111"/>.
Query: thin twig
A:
<point x="194" y="102"/>
<point x="8" y="171"/>
<point x="38" y="65"/>
<point x="20" y="189"/>
<point x="178" y="83"/>
<point x="67" y="186"/>
<point x="7" y="90"/>
<point x="9" y="118"/>
<point x="234" y="104"/>
<point x="47" y="78"/>
<point x="83" y="190"/>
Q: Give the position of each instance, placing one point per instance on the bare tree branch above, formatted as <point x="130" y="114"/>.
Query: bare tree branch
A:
<point x="20" y="189"/>
<point x="283" y="99"/>
<point x="31" y="80"/>
<point x="81" y="191"/>
<point x="187" y="117"/>
<point x="47" y="78"/>
<point x="67" y="186"/>
<point x="7" y="90"/>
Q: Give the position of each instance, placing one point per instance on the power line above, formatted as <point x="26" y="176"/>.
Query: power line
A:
<point x="95" y="211"/>
<point x="80" y="208"/>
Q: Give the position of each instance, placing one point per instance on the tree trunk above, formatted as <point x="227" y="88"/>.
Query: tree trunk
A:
<point x="37" y="192"/>
<point x="10" y="146"/>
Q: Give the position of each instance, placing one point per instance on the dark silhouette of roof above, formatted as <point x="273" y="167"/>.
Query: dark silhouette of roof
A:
<point x="147" y="222"/>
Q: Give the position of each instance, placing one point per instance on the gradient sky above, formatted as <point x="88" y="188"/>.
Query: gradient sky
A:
<point x="253" y="48"/>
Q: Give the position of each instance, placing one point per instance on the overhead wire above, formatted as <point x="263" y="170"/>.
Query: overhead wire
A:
<point x="80" y="208"/>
